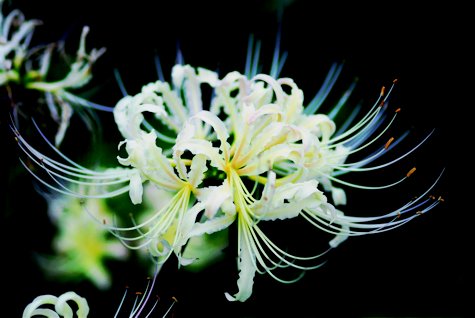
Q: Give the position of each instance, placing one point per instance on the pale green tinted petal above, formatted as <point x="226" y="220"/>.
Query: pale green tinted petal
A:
<point x="217" y="124"/>
<point x="66" y="113"/>
<point x="120" y="116"/>
<point x="33" y="308"/>
<point x="338" y="196"/>
<point x="342" y="236"/>
<point x="62" y="307"/>
<point x="136" y="188"/>
<point x="319" y="125"/>
<point x="207" y="76"/>
<point x="197" y="170"/>
<point x="247" y="271"/>
<point x="199" y="146"/>
<point x="150" y="161"/>
<point x="288" y="200"/>
<point x="206" y="249"/>
<point x="216" y="224"/>
<point x="268" y="158"/>
<point x="213" y="198"/>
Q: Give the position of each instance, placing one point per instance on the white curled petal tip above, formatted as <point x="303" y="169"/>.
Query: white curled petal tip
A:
<point x="207" y="76"/>
<point x="34" y="307"/>
<point x="338" y="196"/>
<point x="63" y="308"/>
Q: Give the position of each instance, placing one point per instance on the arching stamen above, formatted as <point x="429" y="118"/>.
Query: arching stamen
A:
<point x="119" y="81"/>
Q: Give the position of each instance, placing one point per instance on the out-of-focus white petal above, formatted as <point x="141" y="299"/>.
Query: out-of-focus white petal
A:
<point x="338" y="196"/>
<point x="136" y="188"/>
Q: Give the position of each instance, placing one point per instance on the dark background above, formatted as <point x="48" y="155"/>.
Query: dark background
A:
<point x="419" y="270"/>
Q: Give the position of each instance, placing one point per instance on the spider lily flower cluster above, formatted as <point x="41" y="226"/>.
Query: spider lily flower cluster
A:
<point x="31" y="68"/>
<point x="254" y="153"/>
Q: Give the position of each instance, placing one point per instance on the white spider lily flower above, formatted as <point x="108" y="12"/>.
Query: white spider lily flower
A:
<point x="256" y="252"/>
<point x="256" y="153"/>
<point x="29" y="66"/>
<point x="79" y="73"/>
<point x="59" y="97"/>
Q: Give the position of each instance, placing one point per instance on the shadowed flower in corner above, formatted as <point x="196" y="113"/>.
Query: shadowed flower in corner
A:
<point x="41" y="69"/>
<point x="252" y="151"/>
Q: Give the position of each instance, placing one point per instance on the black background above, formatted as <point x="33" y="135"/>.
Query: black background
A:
<point x="419" y="270"/>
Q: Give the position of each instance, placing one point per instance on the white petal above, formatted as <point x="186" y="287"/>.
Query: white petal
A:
<point x="342" y="236"/>
<point x="213" y="198"/>
<point x="338" y="196"/>
<point x="197" y="170"/>
<point x="213" y="225"/>
<point x="247" y="271"/>
<point x="136" y="188"/>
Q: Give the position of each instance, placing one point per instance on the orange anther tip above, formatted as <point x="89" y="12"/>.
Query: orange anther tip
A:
<point x="411" y="172"/>
<point x="395" y="81"/>
<point x="398" y="110"/>
<point x="138" y="293"/>
<point x="388" y="143"/>
<point x="383" y="89"/>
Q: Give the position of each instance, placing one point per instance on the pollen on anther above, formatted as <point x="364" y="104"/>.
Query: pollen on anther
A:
<point x="395" y="81"/>
<point x="174" y="299"/>
<point x="138" y="293"/>
<point x="410" y="172"/>
<point x="441" y="199"/>
<point x="383" y="89"/>
<point x="388" y="143"/>
<point x="398" y="110"/>
<point x="419" y="212"/>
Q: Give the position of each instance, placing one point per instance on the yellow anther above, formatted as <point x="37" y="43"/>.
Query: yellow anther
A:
<point x="388" y="143"/>
<point x="410" y="172"/>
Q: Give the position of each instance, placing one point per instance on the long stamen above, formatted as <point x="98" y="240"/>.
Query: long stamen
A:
<point x="355" y="166"/>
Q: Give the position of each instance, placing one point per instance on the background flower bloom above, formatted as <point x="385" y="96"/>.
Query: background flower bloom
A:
<point x="81" y="246"/>
<point x="35" y="68"/>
